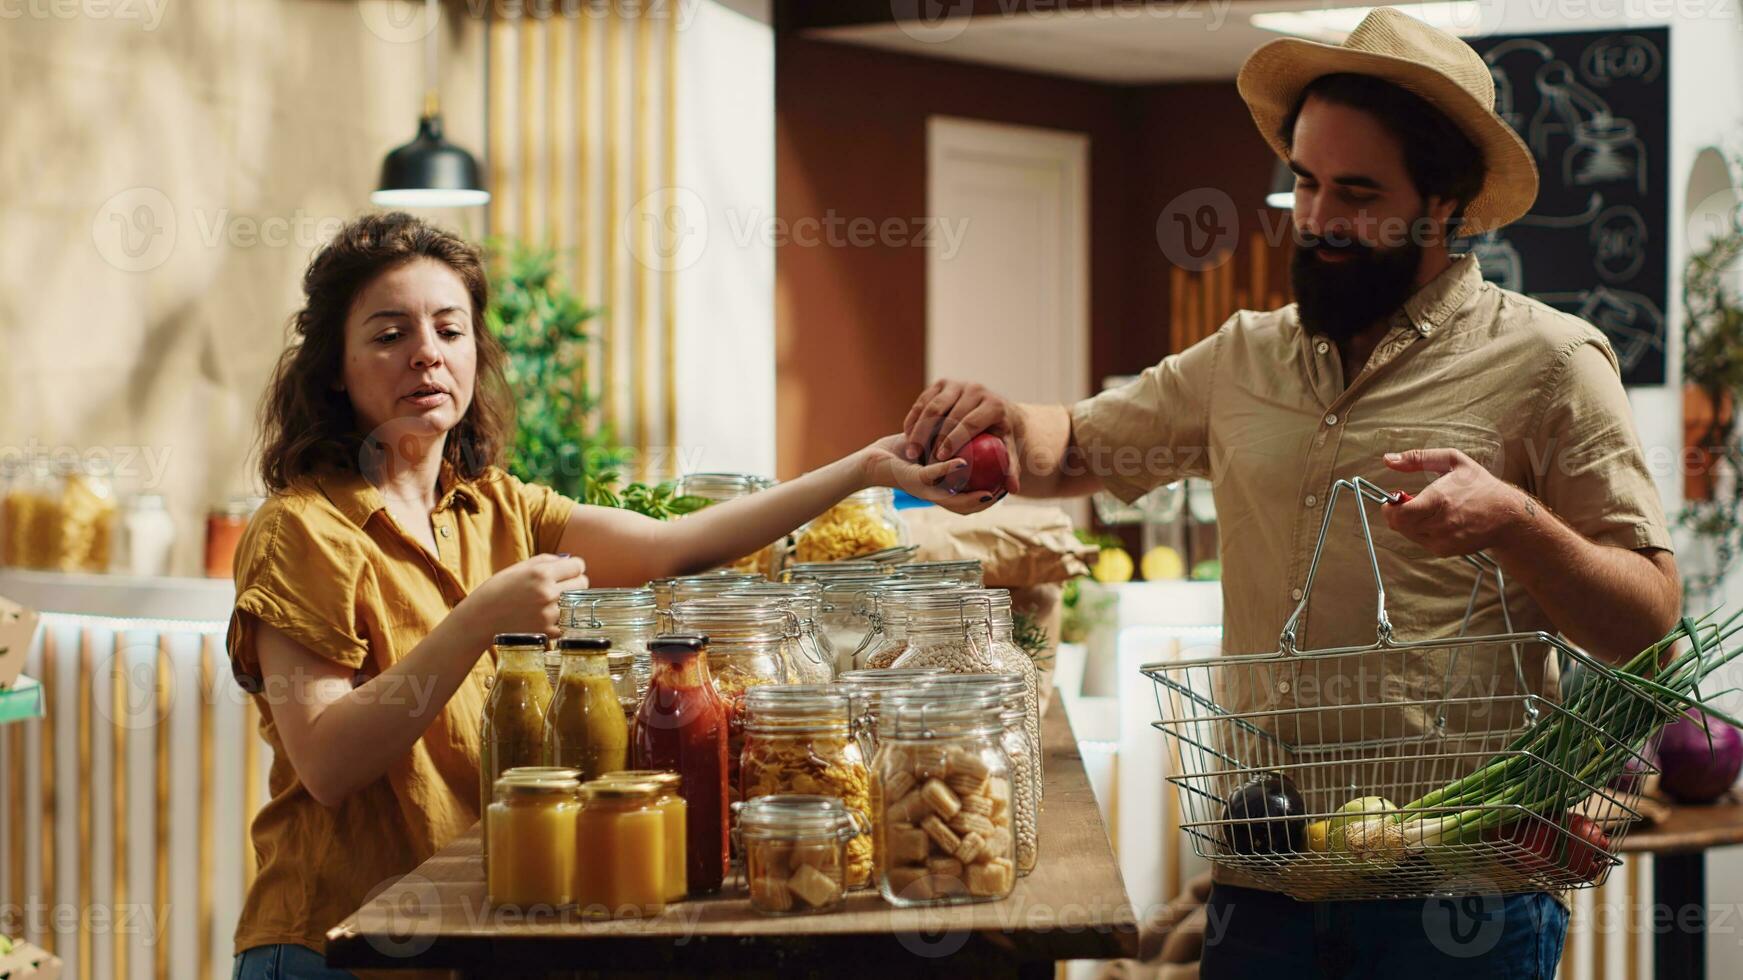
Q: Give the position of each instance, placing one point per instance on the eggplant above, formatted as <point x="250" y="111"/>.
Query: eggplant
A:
<point x="1267" y="816"/>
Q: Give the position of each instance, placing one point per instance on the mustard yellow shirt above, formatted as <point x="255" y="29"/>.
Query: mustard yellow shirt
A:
<point x="330" y="568"/>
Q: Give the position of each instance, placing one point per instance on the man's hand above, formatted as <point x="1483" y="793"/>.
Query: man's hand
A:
<point x="886" y="465"/>
<point x="950" y="413"/>
<point x="1465" y="510"/>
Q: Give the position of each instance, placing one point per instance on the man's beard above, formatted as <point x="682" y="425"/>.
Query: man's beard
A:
<point x="1338" y="300"/>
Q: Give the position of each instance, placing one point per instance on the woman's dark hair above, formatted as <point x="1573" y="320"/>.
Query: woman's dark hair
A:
<point x="1442" y="161"/>
<point x="307" y="424"/>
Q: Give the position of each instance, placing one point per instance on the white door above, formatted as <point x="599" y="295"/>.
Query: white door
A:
<point x="1007" y="288"/>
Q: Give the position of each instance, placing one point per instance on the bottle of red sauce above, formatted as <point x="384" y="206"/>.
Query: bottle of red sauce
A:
<point x="681" y="728"/>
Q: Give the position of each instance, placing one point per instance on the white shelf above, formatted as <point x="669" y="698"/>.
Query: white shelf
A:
<point x="120" y="596"/>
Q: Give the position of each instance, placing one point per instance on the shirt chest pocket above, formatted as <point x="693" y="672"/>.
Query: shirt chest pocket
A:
<point x="1362" y="453"/>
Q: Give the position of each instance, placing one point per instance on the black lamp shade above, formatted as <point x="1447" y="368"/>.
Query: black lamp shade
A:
<point x="430" y="172"/>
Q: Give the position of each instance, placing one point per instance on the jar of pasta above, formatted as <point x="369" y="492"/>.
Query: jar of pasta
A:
<point x="944" y="798"/>
<point x="797" y="851"/>
<point x="620" y="856"/>
<point x="750" y="643"/>
<point x="720" y="487"/>
<point x="623" y="616"/>
<point x="512" y="728"/>
<point x="531" y="831"/>
<point x="814" y="662"/>
<point x="32" y="518"/>
<point x="797" y="739"/>
<point x="673" y="814"/>
<point x="961" y="631"/>
<point x="865" y="522"/>
<point x="1024" y="757"/>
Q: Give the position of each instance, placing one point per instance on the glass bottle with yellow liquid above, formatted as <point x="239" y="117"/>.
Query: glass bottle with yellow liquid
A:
<point x="585" y="728"/>
<point x="512" y="731"/>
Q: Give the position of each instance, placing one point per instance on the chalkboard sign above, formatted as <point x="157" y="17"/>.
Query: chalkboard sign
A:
<point x="1594" y="107"/>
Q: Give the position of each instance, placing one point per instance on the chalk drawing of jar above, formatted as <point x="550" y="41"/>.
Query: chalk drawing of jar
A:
<point x="1499" y="260"/>
<point x="1605" y="150"/>
<point x="1562" y="105"/>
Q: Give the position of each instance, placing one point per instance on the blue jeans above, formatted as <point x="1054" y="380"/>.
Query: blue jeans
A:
<point x="1260" y="934"/>
<point x="285" y="961"/>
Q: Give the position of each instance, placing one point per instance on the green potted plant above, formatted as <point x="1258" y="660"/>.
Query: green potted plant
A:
<point x="1712" y="376"/>
<point x="560" y="440"/>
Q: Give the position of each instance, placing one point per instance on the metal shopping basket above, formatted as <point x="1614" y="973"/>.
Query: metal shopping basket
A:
<point x="1336" y="773"/>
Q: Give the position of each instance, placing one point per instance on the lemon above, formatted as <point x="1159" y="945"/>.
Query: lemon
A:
<point x="1162" y="563"/>
<point x="1114" y="565"/>
<point x="1318" y="836"/>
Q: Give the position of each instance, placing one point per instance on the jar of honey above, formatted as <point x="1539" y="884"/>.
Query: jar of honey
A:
<point x="620" y="850"/>
<point x="531" y="824"/>
<point x="795" y="851"/>
<point x="672" y="812"/>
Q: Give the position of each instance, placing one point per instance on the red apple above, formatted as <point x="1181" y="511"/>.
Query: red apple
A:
<point x="985" y="472"/>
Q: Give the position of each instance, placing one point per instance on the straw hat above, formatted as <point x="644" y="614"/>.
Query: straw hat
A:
<point x="1431" y="63"/>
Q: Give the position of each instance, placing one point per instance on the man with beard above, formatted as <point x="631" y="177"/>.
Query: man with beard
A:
<point x="1399" y="364"/>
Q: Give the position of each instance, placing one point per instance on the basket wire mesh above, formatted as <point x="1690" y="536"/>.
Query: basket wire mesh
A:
<point x="1336" y="773"/>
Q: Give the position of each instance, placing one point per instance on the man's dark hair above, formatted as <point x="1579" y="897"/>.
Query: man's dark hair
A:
<point x="1441" y="160"/>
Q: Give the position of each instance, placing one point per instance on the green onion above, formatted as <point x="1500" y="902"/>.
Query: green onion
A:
<point x="1551" y="766"/>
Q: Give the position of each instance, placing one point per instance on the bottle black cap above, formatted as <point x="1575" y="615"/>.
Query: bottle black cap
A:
<point x="678" y="643"/>
<point x="521" y="639"/>
<point x="584" y="643"/>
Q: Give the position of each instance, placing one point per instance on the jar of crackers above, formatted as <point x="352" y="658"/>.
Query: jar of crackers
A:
<point x="796" y="851"/>
<point x="942" y="800"/>
<point x="797" y="739"/>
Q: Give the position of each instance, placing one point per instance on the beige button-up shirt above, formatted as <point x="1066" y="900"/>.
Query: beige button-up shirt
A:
<point x="1262" y="410"/>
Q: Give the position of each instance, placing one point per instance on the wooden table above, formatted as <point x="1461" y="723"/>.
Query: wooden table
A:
<point x="1073" y="906"/>
<point x="1679" y="845"/>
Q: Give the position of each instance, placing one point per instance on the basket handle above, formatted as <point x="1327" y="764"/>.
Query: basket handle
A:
<point x="1367" y="490"/>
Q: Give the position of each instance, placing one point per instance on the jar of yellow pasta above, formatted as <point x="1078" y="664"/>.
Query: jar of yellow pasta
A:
<point x="865" y="522"/>
<point x="532" y="838"/>
<point x="718" y="488"/>
<point x="797" y="739"/>
<point x="796" y="851"/>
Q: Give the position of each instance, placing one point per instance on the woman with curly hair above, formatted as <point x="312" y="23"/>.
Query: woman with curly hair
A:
<point x="392" y="550"/>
